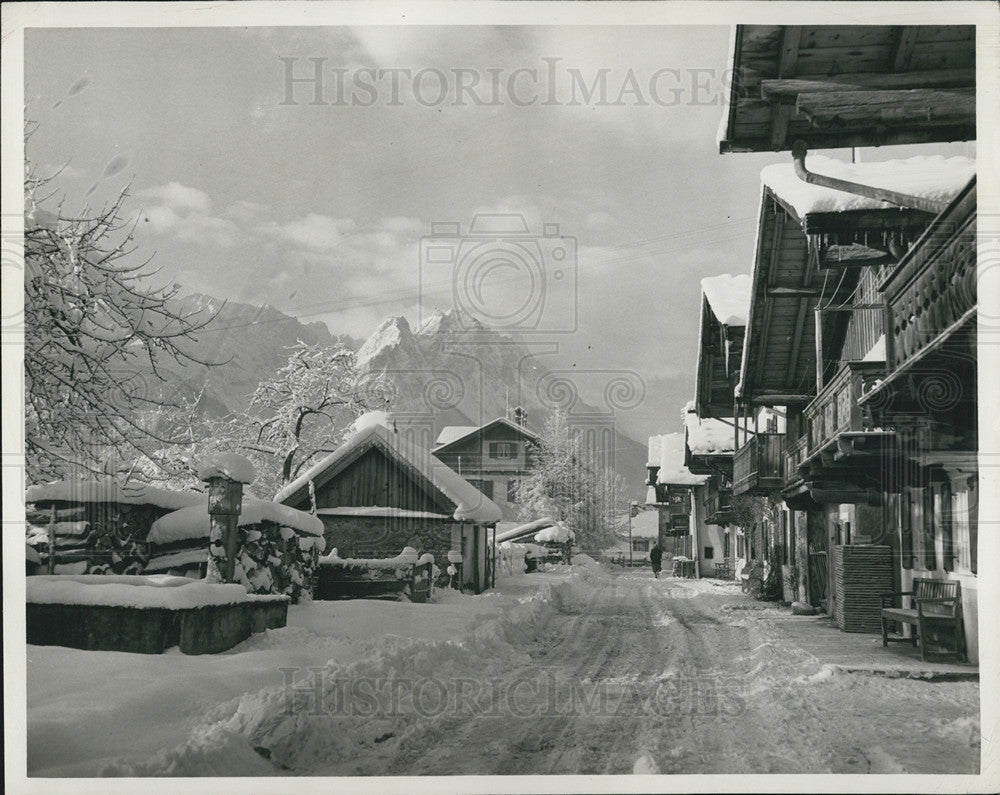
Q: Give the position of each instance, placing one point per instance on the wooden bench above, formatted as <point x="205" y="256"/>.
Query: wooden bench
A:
<point x="933" y="603"/>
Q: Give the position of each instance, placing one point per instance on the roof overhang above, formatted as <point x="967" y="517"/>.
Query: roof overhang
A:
<point x="844" y="86"/>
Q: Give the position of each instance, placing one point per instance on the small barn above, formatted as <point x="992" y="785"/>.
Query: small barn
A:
<point x="378" y="493"/>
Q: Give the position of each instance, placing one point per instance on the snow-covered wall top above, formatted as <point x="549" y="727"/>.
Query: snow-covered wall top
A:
<point x="110" y="492"/>
<point x="729" y="297"/>
<point x="226" y="465"/>
<point x="174" y="593"/>
<point x="672" y="470"/>
<point x="193" y="522"/>
<point x="408" y="557"/>
<point x="930" y="177"/>
<point x="471" y="504"/>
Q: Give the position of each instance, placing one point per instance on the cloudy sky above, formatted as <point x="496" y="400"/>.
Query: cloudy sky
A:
<point x="252" y="182"/>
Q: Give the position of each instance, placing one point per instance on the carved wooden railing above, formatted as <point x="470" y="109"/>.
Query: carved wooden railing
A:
<point x="934" y="287"/>
<point x="795" y="453"/>
<point x="758" y="464"/>
<point x="835" y="409"/>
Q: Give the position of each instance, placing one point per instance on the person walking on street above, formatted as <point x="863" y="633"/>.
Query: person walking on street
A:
<point x="656" y="558"/>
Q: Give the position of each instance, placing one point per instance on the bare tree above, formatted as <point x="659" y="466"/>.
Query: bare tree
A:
<point x="97" y="336"/>
<point x="302" y="412"/>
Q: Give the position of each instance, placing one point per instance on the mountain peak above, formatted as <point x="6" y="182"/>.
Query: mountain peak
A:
<point x="391" y="333"/>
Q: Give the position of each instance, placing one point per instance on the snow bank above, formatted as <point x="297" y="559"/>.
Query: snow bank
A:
<point x="226" y="465"/>
<point x="408" y="557"/>
<point x="729" y="297"/>
<point x="929" y="177"/>
<point x="194" y="522"/>
<point x="108" y="491"/>
<point x="174" y="593"/>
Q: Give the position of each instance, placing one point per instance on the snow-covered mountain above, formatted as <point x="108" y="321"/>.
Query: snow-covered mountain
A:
<point x="452" y="370"/>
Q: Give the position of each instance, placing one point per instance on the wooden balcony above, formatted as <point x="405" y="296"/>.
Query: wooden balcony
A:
<point x="758" y="465"/>
<point x="933" y="291"/>
<point x="845" y="451"/>
<point x="931" y="324"/>
<point x="719" y="506"/>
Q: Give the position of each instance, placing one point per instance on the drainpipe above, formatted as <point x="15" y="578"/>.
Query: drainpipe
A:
<point x="880" y="194"/>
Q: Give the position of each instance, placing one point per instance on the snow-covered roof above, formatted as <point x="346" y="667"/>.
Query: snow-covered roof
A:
<point x="653" y="456"/>
<point x="556" y="534"/>
<point x="523" y="530"/>
<point x="226" y="465"/>
<point x="471" y="504"/>
<point x="380" y="512"/>
<point x="672" y="470"/>
<point x="194" y="522"/>
<point x="729" y="297"/>
<point x="453" y="433"/>
<point x="709" y="436"/>
<point x="110" y="492"/>
<point x="930" y="177"/>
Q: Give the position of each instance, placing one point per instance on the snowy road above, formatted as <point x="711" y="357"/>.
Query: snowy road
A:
<point x="695" y="686"/>
<point x="582" y="672"/>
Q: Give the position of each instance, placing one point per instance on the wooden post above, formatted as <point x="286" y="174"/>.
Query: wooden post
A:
<point x="50" y="565"/>
<point x="225" y="501"/>
<point x="819" y="350"/>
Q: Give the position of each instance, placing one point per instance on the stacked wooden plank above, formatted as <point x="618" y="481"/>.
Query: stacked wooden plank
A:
<point x="861" y="574"/>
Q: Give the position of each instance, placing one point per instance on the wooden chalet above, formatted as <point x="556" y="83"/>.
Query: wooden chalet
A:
<point x="378" y="493"/>
<point x="493" y="457"/>
<point x="862" y="317"/>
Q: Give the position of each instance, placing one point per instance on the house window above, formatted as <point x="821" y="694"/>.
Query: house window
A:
<point x="725" y="545"/>
<point x="485" y="486"/>
<point x="906" y="528"/>
<point x="947" y="535"/>
<point x="930" y="553"/>
<point x="503" y="450"/>
<point x="709" y="552"/>
<point x="640" y="545"/>
<point x="512" y="489"/>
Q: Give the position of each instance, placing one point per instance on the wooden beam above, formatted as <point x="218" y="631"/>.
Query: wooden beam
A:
<point x="780" y="116"/>
<point x="800" y="321"/>
<point x="787" y="89"/>
<point x="779" y="399"/>
<point x="922" y="106"/>
<point x="906" y="39"/>
<point x="791" y="36"/>
<point x="818" y="315"/>
<point x="793" y="292"/>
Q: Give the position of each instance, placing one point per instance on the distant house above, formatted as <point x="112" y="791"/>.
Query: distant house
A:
<point x="492" y="457"/>
<point x="644" y="536"/>
<point x="379" y="492"/>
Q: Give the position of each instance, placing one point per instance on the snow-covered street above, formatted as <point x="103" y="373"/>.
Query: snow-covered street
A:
<point x="580" y="670"/>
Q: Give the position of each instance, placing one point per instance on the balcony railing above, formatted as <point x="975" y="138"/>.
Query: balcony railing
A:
<point x="934" y="288"/>
<point x="758" y="465"/>
<point x="835" y="410"/>
<point x="719" y="506"/>
<point x="795" y="453"/>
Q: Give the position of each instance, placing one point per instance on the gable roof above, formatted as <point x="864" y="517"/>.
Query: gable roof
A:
<point x="471" y="505"/>
<point x="456" y="433"/>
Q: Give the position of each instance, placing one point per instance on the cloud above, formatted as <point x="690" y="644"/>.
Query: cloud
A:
<point x="178" y="197"/>
<point x="314" y="232"/>
<point x="183" y="213"/>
